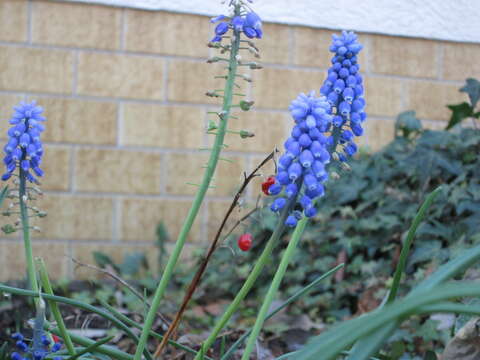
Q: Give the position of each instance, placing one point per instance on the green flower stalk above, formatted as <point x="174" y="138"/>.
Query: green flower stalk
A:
<point x="282" y="268"/>
<point x="244" y="22"/>
<point x="250" y="281"/>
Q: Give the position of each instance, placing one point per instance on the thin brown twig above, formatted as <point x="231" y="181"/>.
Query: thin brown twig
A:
<point x="121" y="281"/>
<point x="242" y="219"/>
<point x="196" y="280"/>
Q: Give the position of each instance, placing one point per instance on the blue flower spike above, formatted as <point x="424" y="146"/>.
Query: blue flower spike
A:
<point x="324" y="130"/>
<point x="23" y="151"/>
<point x="24" y="148"/>
<point x="249" y="23"/>
<point x="302" y="166"/>
<point x="344" y="90"/>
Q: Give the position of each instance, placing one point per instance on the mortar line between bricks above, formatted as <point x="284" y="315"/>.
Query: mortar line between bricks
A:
<point x="116" y="220"/>
<point x="71" y="174"/>
<point x="440" y="60"/>
<point x="123" y="30"/>
<point x="404" y="96"/>
<point x="29" y="21"/>
<point x="166" y="68"/>
<point x="292" y="39"/>
<point x="75" y="72"/>
<point x="368" y="52"/>
<point x="163" y="174"/>
<point x="119" y="124"/>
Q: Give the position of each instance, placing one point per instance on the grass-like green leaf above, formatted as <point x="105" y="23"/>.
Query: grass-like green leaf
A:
<point x="420" y="300"/>
<point x="132" y="323"/>
<point x="91" y="348"/>
<point x="287" y="302"/>
<point x="402" y="262"/>
<point x="367" y="346"/>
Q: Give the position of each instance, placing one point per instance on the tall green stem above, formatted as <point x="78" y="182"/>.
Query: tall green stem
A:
<point x="207" y="178"/>
<point x="22" y="195"/>
<point x="292" y="245"/>
<point x="247" y="285"/>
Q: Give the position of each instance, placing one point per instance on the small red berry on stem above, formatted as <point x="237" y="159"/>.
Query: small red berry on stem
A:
<point x="245" y="242"/>
<point x="267" y="183"/>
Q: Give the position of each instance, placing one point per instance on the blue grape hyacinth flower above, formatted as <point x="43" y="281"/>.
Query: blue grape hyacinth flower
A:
<point x="250" y="24"/>
<point x="301" y="169"/>
<point x="34" y="352"/>
<point x="24" y="148"/>
<point x="344" y="90"/>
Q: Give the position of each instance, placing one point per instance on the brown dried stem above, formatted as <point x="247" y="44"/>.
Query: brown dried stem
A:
<point x="196" y="280"/>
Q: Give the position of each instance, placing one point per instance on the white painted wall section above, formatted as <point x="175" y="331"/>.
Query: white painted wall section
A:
<point x="455" y="20"/>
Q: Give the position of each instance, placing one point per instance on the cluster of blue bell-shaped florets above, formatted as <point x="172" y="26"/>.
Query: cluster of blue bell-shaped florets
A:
<point x="24" y="147"/>
<point x="250" y="24"/>
<point x="343" y="88"/>
<point x="306" y="155"/>
<point x="35" y="351"/>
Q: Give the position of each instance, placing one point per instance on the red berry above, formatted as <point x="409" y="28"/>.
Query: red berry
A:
<point x="245" y="242"/>
<point x="267" y="183"/>
<point x="55" y="338"/>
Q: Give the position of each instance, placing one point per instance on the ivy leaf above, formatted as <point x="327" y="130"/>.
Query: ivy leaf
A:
<point x="408" y="123"/>
<point x="472" y="88"/>
<point x="459" y="113"/>
<point x="102" y="260"/>
<point x="133" y="263"/>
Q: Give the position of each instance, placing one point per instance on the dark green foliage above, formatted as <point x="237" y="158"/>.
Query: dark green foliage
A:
<point x="363" y="220"/>
<point x="368" y="210"/>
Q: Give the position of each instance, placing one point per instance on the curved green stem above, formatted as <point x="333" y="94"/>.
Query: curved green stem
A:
<point x="81" y="305"/>
<point x="54" y="306"/>
<point x="132" y="323"/>
<point x="207" y="178"/>
<point x="247" y="285"/>
<point x="272" y="291"/>
<point x="22" y="195"/>
<point x="111" y="351"/>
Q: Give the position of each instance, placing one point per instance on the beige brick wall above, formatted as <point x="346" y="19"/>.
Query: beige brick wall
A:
<point x="124" y="95"/>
